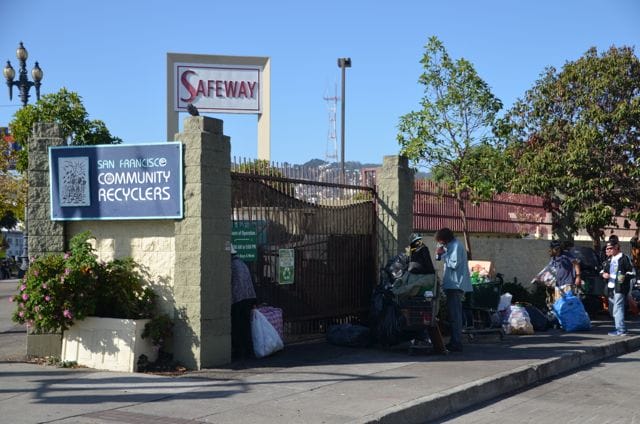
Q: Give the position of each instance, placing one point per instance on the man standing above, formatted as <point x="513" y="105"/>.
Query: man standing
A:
<point x="618" y="272"/>
<point x="455" y="281"/>
<point x="562" y="267"/>
<point x="243" y="299"/>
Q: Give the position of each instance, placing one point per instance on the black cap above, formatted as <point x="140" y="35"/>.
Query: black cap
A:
<point x="555" y="244"/>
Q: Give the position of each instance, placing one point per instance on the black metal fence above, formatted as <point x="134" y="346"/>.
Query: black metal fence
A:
<point x="311" y="244"/>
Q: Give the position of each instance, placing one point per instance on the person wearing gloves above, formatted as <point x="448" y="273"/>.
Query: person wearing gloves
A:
<point x="420" y="275"/>
<point x="456" y="281"/>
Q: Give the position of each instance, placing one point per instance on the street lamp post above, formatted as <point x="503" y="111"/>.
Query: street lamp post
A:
<point x="343" y="63"/>
<point x="24" y="85"/>
<point x="23" y="82"/>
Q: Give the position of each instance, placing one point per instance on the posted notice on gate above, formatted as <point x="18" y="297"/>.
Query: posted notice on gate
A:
<point x="116" y="182"/>
<point x="244" y="237"/>
<point x="286" y="266"/>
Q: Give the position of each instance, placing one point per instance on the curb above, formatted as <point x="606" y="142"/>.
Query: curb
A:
<point x="438" y="405"/>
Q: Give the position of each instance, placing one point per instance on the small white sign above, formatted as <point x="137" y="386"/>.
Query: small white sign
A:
<point x="218" y="88"/>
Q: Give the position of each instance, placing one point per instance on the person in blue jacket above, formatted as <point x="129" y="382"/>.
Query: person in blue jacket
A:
<point x="456" y="281"/>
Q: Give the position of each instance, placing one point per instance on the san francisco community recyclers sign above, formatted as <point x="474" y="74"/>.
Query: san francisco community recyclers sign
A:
<point x="141" y="181"/>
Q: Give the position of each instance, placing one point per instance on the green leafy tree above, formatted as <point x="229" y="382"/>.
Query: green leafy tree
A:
<point x="574" y="139"/>
<point x="12" y="186"/>
<point x="451" y="135"/>
<point x="64" y="108"/>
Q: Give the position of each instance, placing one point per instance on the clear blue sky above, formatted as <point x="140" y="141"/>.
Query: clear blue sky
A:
<point x="113" y="53"/>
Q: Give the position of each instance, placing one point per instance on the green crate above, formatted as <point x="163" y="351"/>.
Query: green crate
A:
<point x="486" y="295"/>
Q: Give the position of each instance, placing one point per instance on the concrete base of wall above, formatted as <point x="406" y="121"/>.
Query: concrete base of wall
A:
<point x="41" y="345"/>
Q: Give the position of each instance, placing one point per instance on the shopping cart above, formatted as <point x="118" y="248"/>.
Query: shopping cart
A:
<point x="481" y="309"/>
<point x="420" y="316"/>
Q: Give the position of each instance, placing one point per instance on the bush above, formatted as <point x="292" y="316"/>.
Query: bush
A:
<point x="520" y="294"/>
<point x="59" y="289"/>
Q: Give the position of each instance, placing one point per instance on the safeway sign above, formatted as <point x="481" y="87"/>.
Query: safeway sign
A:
<point x="218" y="88"/>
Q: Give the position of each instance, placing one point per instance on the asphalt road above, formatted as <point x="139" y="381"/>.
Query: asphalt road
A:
<point x="607" y="392"/>
<point x="12" y="335"/>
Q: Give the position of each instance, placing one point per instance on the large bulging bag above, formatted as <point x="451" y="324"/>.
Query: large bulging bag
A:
<point x="266" y="339"/>
<point x="571" y="313"/>
<point x="519" y="321"/>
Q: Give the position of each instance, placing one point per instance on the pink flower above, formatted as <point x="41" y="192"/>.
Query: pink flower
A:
<point x="21" y="314"/>
<point x="36" y="308"/>
<point x="47" y="298"/>
<point x="11" y="300"/>
<point x="25" y="296"/>
<point x="67" y="255"/>
<point x="23" y="287"/>
<point x="67" y="314"/>
<point x="44" y="286"/>
<point x="36" y="272"/>
<point x="67" y="271"/>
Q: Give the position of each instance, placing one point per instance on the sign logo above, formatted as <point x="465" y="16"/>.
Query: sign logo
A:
<point x="286" y="266"/>
<point x="217" y="88"/>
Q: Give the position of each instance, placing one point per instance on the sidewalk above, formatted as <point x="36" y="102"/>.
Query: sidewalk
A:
<point x="307" y="383"/>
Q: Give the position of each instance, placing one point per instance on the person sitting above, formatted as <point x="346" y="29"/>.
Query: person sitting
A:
<point x="420" y="276"/>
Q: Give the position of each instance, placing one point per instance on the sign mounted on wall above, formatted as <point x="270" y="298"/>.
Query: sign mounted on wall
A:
<point x="116" y="182"/>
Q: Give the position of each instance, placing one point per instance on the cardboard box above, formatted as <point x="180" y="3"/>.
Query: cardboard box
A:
<point x="484" y="268"/>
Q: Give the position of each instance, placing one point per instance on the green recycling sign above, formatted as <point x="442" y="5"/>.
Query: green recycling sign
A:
<point x="286" y="266"/>
<point x="244" y="237"/>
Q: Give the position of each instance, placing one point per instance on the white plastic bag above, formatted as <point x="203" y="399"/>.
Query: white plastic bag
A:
<point x="266" y="339"/>
<point x="505" y="301"/>
<point x="519" y="321"/>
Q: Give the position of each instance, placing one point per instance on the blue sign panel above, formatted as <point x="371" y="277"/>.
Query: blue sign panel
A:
<point x="139" y="181"/>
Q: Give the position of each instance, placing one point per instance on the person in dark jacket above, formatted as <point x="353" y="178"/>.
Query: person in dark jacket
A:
<point x="243" y="299"/>
<point x="562" y="267"/>
<point x="618" y="271"/>
<point x="420" y="275"/>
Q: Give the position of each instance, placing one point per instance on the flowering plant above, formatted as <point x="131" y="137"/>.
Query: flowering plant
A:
<point x="58" y="289"/>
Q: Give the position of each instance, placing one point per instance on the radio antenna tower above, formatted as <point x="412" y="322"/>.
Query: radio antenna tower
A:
<point x="331" y="154"/>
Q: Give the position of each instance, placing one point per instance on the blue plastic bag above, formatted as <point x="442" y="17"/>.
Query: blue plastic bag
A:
<point x="571" y="313"/>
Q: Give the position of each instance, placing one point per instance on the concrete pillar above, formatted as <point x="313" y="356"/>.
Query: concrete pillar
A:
<point x="44" y="235"/>
<point x="395" y="180"/>
<point x="202" y="332"/>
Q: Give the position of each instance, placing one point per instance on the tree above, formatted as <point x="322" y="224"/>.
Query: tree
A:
<point x="12" y="185"/>
<point x="64" y="108"/>
<point x="575" y="140"/>
<point x="451" y="135"/>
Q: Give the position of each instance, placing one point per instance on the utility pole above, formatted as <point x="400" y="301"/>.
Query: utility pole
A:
<point x="343" y="63"/>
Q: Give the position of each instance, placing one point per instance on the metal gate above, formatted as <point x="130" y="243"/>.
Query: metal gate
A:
<point x="311" y="246"/>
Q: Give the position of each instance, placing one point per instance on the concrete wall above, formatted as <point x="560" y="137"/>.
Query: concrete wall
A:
<point x="513" y="257"/>
<point x="149" y="243"/>
<point x="186" y="261"/>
